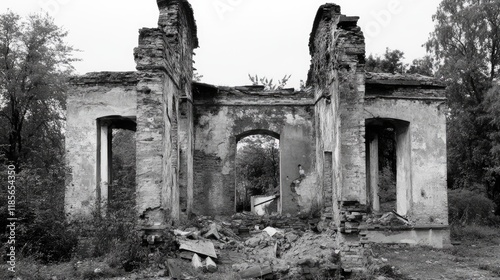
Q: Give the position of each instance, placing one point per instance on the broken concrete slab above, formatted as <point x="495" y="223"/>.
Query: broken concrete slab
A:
<point x="212" y="233"/>
<point x="271" y="231"/>
<point x="205" y="248"/>
<point x="256" y="271"/>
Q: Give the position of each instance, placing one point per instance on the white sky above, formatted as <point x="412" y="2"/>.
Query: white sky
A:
<point x="237" y="37"/>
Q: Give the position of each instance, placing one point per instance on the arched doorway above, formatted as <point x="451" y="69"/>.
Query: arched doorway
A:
<point x="257" y="179"/>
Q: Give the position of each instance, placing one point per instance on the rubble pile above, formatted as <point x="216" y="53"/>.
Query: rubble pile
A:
<point x="261" y="252"/>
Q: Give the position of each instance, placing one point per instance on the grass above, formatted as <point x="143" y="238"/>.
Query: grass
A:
<point x="492" y="268"/>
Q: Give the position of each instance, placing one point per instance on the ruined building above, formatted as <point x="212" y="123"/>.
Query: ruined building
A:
<point x="186" y="135"/>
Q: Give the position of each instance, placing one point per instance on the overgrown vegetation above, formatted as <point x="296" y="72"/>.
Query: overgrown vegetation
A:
<point x="466" y="46"/>
<point x="34" y="64"/>
<point x="472" y="217"/>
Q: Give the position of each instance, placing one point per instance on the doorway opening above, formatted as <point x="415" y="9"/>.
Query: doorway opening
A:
<point x="388" y="165"/>
<point x="116" y="163"/>
<point x="257" y="173"/>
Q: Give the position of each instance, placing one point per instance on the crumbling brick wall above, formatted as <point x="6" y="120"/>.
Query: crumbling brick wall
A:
<point x="164" y="56"/>
<point x="337" y="75"/>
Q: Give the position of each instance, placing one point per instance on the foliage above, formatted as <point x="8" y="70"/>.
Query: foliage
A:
<point x="392" y="62"/>
<point x="269" y="85"/>
<point x="423" y="66"/>
<point x="466" y="207"/>
<point x="257" y="164"/>
<point x="34" y="64"/>
<point x="197" y="76"/>
<point x="42" y="231"/>
<point x="112" y="235"/>
<point x="466" y="44"/>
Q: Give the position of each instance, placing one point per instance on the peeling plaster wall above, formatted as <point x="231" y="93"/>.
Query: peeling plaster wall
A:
<point x="218" y="123"/>
<point x="428" y="191"/>
<point x="186" y="146"/>
<point x="90" y="97"/>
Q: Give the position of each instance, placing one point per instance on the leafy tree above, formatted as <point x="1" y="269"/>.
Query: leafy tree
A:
<point x="34" y="64"/>
<point x="423" y="66"/>
<point x="390" y="63"/>
<point x="466" y="44"/>
<point x="257" y="164"/>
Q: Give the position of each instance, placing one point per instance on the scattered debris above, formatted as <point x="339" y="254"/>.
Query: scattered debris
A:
<point x="271" y="231"/>
<point x="210" y="265"/>
<point x="201" y="247"/>
<point x="294" y="251"/>
<point x="212" y="233"/>
<point x="196" y="262"/>
<point x="256" y="271"/>
<point x="173" y="270"/>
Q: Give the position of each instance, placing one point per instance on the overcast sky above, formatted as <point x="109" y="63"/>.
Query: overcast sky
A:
<point x="237" y="37"/>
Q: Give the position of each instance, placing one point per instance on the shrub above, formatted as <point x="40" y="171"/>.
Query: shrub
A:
<point x="41" y="229"/>
<point x="474" y="232"/>
<point x="113" y="235"/>
<point x="466" y="207"/>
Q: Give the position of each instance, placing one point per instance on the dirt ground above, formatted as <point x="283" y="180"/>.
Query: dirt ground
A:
<point x="469" y="260"/>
